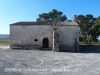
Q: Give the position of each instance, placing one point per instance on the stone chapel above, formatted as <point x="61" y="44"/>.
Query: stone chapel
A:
<point x="56" y="36"/>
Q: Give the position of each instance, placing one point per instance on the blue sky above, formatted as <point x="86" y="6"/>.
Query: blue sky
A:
<point x="12" y="11"/>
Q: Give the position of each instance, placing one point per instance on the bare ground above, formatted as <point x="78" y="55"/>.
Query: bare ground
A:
<point x="37" y="62"/>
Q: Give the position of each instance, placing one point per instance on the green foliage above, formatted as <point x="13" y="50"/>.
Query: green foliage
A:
<point x="86" y="22"/>
<point x="53" y="16"/>
<point x="80" y="39"/>
<point x="96" y="28"/>
<point x="69" y="21"/>
<point x="4" y="42"/>
<point x="99" y="43"/>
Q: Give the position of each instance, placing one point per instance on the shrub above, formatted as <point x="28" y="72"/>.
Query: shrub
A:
<point x="99" y="43"/>
<point x="4" y="42"/>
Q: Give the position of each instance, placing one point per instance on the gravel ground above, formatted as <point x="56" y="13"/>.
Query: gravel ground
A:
<point x="33" y="62"/>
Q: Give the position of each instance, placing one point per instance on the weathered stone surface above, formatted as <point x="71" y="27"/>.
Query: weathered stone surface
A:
<point x="55" y="39"/>
<point x="25" y="35"/>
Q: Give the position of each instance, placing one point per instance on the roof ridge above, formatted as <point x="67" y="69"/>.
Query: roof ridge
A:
<point x="45" y="23"/>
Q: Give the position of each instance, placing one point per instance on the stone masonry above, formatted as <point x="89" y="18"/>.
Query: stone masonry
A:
<point x="56" y="36"/>
<point x="55" y="39"/>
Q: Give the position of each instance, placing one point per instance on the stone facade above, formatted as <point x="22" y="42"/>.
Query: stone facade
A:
<point x="55" y="39"/>
<point x="53" y="36"/>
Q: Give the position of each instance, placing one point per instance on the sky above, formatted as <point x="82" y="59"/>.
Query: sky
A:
<point x="12" y="11"/>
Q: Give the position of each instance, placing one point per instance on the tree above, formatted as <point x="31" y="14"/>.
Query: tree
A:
<point x="95" y="29"/>
<point x="85" y="24"/>
<point x="53" y="16"/>
<point x="69" y="21"/>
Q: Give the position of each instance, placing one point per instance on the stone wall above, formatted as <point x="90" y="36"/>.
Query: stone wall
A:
<point x="25" y="35"/>
<point x="67" y="36"/>
<point x="55" y="39"/>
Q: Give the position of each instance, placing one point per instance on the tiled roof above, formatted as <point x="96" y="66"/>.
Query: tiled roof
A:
<point x="46" y="23"/>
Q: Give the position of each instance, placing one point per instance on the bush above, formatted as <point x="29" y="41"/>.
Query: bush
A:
<point x="99" y="43"/>
<point x="4" y="42"/>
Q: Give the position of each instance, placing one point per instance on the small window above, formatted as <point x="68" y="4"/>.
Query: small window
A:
<point x="36" y="40"/>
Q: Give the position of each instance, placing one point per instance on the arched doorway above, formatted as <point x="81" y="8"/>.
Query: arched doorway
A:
<point x="45" y="43"/>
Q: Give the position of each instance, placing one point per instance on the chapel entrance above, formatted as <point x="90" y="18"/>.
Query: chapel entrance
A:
<point x="45" y="43"/>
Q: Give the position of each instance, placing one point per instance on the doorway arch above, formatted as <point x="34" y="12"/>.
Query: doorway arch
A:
<point x="45" y="43"/>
